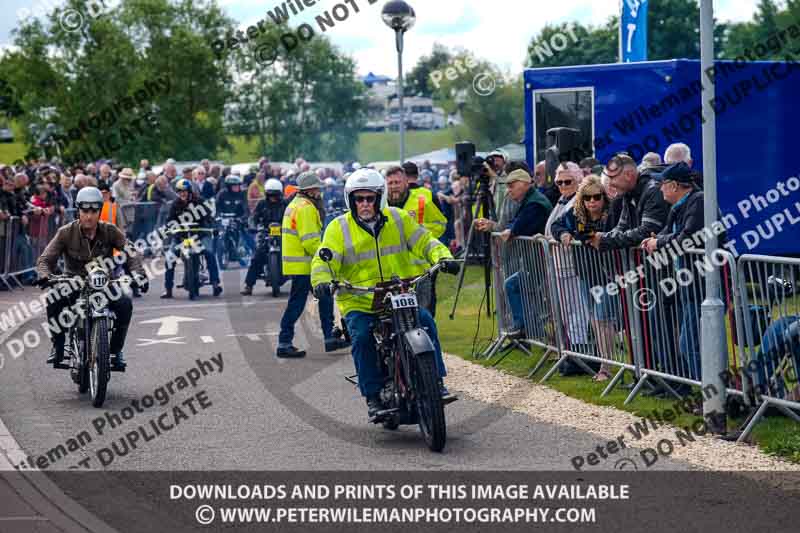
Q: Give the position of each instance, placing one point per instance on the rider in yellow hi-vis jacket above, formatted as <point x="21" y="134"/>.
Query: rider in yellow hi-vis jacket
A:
<point x="300" y="238"/>
<point x="371" y="244"/>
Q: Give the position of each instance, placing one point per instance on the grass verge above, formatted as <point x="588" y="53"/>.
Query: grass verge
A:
<point x="775" y="435"/>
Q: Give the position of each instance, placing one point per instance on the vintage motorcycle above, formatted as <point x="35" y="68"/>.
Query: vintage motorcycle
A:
<point x="406" y="354"/>
<point x="87" y="341"/>
<point x="227" y="243"/>
<point x="189" y="248"/>
<point x="270" y="239"/>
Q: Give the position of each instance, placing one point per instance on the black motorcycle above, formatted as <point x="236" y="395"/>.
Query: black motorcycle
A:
<point x="227" y="242"/>
<point x="269" y="239"/>
<point x="189" y="248"/>
<point x="411" y="394"/>
<point x="87" y="342"/>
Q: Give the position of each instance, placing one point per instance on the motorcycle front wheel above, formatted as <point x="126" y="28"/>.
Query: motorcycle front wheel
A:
<point x="99" y="362"/>
<point x="429" y="402"/>
<point x="275" y="274"/>
<point x="193" y="276"/>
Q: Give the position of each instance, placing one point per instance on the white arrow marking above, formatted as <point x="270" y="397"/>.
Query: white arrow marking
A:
<point x="150" y="342"/>
<point x="169" y="324"/>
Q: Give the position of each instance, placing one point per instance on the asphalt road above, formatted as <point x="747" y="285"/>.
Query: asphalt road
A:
<point x="259" y="412"/>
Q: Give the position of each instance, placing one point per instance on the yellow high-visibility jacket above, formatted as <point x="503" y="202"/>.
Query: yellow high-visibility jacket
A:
<point x="365" y="260"/>
<point x="300" y="236"/>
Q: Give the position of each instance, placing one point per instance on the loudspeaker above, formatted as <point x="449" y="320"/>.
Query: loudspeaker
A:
<point x="465" y="153"/>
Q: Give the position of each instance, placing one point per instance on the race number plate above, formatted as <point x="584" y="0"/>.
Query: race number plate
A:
<point x="275" y="231"/>
<point x="404" y="301"/>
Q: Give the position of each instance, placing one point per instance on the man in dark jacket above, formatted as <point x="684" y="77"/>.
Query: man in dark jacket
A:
<point x="187" y="207"/>
<point x="269" y="210"/>
<point x="531" y="217"/>
<point x="644" y="210"/>
<point x="686" y="218"/>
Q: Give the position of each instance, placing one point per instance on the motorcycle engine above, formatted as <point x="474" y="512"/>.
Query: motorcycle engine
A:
<point x="387" y="394"/>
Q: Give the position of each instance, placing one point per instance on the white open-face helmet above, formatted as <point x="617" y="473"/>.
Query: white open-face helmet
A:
<point x="365" y="179"/>
<point x="273" y="185"/>
<point x="89" y="198"/>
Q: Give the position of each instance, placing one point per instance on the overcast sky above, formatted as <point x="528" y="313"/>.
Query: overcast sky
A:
<point x="498" y="30"/>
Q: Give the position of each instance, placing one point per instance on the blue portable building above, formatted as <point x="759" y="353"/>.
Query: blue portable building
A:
<point x="644" y="107"/>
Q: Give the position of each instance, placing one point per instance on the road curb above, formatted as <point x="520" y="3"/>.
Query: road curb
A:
<point x="34" y="488"/>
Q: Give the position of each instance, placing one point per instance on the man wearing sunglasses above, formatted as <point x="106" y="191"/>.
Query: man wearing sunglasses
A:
<point x="644" y="210"/>
<point x="79" y="243"/>
<point x="370" y="244"/>
<point x="300" y="238"/>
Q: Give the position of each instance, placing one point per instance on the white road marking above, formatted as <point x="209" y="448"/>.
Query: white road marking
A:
<point x="253" y="337"/>
<point x="202" y="306"/>
<point x="169" y="324"/>
<point x="150" y="342"/>
<point x="206" y="339"/>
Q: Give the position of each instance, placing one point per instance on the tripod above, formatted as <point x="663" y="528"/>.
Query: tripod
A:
<point x="484" y="203"/>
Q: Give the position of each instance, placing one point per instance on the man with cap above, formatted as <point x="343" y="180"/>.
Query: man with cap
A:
<point x="530" y="219"/>
<point x="301" y="236"/>
<point x="685" y="219"/>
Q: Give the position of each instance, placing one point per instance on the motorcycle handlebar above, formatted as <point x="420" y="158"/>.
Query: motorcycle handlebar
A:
<point x="338" y="285"/>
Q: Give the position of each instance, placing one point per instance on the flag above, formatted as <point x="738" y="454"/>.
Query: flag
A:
<point x="633" y="31"/>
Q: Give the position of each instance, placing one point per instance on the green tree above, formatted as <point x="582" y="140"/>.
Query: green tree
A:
<point x="673" y="33"/>
<point x="68" y="77"/>
<point x="309" y="101"/>
<point x="582" y="45"/>
<point x="762" y="32"/>
<point x="418" y="81"/>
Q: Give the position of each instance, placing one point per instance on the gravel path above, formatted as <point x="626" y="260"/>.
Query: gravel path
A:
<point x="547" y="405"/>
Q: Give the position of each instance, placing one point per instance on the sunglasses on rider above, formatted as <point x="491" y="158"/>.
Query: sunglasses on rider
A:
<point x="362" y="199"/>
<point x="592" y="197"/>
<point x="563" y="183"/>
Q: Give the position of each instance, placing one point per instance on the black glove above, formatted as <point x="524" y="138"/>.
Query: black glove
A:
<point x="449" y="266"/>
<point x="42" y="282"/>
<point x="322" y="290"/>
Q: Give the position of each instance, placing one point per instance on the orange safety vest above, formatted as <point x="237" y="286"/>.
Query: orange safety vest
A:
<point x="109" y="215"/>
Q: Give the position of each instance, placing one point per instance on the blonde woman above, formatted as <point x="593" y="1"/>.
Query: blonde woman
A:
<point x="588" y="216"/>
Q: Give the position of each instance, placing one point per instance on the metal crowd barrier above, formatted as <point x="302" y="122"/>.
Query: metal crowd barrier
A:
<point x="669" y="293"/>
<point x="770" y="310"/>
<point x="139" y="218"/>
<point x="595" y="314"/>
<point x="7" y="229"/>
<point x="523" y="297"/>
<point x="630" y="310"/>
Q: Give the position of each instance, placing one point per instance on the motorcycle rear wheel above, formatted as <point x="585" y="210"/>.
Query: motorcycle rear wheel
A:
<point x="429" y="403"/>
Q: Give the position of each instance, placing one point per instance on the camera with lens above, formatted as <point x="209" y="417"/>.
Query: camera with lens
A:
<point x="478" y="170"/>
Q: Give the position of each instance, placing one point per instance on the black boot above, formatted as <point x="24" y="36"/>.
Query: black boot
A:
<point x="167" y="294"/>
<point x="290" y="352"/>
<point x="217" y="290"/>
<point x="118" y="362"/>
<point x="374" y="406"/>
<point x="56" y="356"/>
<point x="247" y="291"/>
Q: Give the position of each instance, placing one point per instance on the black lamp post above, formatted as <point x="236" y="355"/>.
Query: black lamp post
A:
<point x="399" y="16"/>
